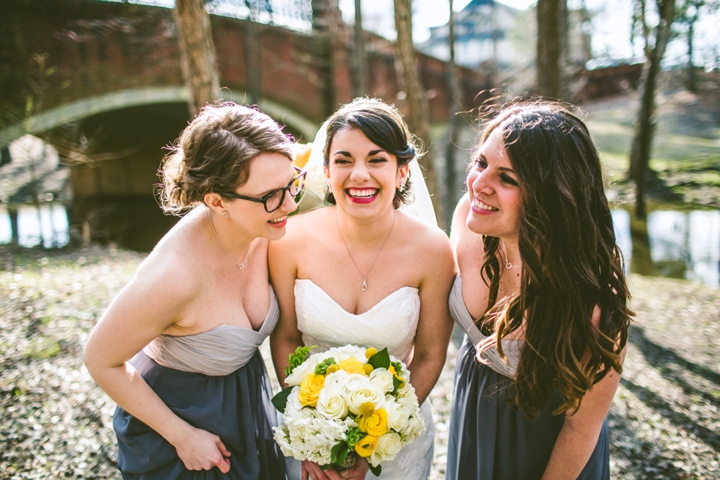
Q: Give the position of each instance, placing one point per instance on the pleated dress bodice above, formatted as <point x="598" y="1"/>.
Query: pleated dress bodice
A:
<point x="219" y="351"/>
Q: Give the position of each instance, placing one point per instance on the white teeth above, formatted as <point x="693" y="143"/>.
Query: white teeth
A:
<point x="477" y="203"/>
<point x="364" y="193"/>
<point x="278" y="220"/>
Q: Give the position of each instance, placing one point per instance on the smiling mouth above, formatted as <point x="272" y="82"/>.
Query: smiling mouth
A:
<point x="477" y="203"/>
<point x="362" y="195"/>
<point x="277" y="221"/>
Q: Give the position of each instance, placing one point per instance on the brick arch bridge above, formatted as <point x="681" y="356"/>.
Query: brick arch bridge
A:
<point x="102" y="82"/>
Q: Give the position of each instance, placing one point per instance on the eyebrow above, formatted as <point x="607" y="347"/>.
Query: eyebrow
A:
<point x="370" y="153"/>
<point x="502" y="169"/>
<point x="278" y="188"/>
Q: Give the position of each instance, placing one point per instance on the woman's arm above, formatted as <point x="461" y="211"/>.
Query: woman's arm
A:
<point x="152" y="301"/>
<point x="435" y="324"/>
<point x="581" y="430"/>
<point x="285" y="338"/>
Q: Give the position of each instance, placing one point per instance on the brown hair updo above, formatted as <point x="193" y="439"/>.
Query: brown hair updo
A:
<point x="214" y="153"/>
<point x="383" y="125"/>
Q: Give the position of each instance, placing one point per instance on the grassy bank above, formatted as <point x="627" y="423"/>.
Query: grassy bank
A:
<point x="55" y="422"/>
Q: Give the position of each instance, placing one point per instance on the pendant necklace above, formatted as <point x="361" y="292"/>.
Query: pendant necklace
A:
<point x="364" y="285"/>
<point x="241" y="265"/>
<point x="508" y="265"/>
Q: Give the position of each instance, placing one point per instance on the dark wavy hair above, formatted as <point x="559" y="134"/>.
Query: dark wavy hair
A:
<point x="214" y="152"/>
<point x="570" y="259"/>
<point x="384" y="126"/>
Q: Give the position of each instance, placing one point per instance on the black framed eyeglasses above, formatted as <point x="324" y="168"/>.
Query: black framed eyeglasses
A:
<point x="272" y="200"/>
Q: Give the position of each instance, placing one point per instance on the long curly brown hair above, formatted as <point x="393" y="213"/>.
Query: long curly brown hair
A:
<point x="571" y="262"/>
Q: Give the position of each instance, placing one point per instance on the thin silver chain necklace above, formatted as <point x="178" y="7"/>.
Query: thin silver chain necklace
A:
<point x="240" y="265"/>
<point x="364" y="285"/>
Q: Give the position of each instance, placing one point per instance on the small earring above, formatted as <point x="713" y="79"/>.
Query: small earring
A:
<point x="225" y="214"/>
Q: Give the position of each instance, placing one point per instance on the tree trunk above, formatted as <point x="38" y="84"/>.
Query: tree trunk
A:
<point x="454" y="107"/>
<point x="359" y="70"/>
<point x="251" y="55"/>
<point x="549" y="47"/>
<point x="645" y="124"/>
<point x="691" y="80"/>
<point x="416" y="101"/>
<point x="197" y="53"/>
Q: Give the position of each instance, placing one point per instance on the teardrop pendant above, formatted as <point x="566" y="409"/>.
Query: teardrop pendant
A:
<point x="363" y="287"/>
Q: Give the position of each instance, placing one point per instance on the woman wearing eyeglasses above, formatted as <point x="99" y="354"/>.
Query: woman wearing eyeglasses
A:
<point x="365" y="272"/>
<point x="177" y="349"/>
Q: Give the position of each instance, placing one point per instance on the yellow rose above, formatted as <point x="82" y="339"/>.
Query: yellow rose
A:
<point x="310" y="389"/>
<point x="302" y="154"/>
<point x="374" y="424"/>
<point x="366" y="445"/>
<point x="370" y="352"/>
<point x="351" y="365"/>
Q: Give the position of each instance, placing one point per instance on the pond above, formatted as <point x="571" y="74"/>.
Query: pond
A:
<point x="673" y="243"/>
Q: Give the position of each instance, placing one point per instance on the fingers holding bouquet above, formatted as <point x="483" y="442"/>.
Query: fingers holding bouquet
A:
<point x="344" y="405"/>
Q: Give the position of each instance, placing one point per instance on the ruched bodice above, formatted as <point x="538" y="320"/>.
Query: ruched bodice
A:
<point x="219" y="351"/>
<point x="391" y="323"/>
<point x="511" y="348"/>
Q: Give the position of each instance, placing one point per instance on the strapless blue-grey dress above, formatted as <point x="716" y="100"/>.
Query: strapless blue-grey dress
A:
<point x="488" y="437"/>
<point x="216" y="381"/>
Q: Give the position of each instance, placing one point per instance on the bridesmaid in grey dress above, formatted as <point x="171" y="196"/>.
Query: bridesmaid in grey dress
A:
<point x="178" y="347"/>
<point x="541" y="296"/>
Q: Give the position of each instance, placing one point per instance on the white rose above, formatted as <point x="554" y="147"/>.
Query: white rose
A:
<point x="382" y="378"/>
<point x="397" y="414"/>
<point x="414" y="426"/>
<point x="331" y="403"/>
<point x="355" y="380"/>
<point x="359" y="393"/>
<point x="388" y="446"/>
<point x="337" y="380"/>
<point x="344" y="352"/>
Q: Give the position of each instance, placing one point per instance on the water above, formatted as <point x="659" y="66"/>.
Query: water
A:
<point x="49" y="226"/>
<point x="679" y="244"/>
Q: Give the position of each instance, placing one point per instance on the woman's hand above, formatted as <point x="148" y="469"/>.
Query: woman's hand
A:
<point x="312" y="471"/>
<point x="201" y="450"/>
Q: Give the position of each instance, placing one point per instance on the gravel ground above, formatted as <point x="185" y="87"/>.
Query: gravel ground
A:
<point x="55" y="422"/>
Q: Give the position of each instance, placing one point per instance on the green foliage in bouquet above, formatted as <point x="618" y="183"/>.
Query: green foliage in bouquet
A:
<point x="297" y="358"/>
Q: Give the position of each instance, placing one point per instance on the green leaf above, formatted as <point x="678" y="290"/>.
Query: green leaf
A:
<point x="338" y="453"/>
<point x="396" y="384"/>
<point x="375" y="470"/>
<point x="280" y="400"/>
<point x="381" y="359"/>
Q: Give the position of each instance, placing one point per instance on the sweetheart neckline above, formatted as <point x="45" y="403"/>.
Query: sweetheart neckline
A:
<point x="350" y="313"/>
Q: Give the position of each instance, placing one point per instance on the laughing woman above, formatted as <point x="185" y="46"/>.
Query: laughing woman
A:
<point x="542" y="298"/>
<point x="364" y="272"/>
<point x="178" y="347"/>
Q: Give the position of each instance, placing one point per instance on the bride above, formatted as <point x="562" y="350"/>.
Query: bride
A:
<point x="364" y="272"/>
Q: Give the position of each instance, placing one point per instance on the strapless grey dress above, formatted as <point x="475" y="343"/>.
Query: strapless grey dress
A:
<point x="488" y="437"/>
<point x="216" y="381"/>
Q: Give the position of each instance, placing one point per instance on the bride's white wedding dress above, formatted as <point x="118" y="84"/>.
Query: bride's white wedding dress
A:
<point x="391" y="323"/>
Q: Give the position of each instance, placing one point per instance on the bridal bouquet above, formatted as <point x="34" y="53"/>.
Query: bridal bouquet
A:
<point x="345" y="403"/>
